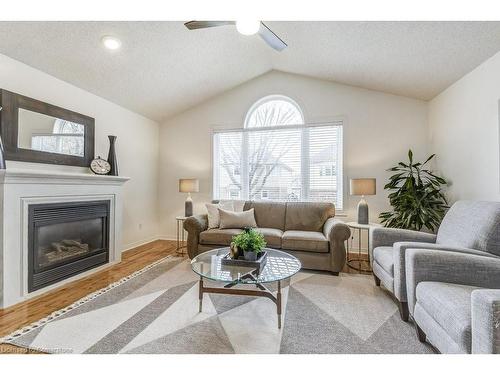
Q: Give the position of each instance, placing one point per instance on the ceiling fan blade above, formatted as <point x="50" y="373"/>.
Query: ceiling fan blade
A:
<point x="193" y="25"/>
<point x="271" y="38"/>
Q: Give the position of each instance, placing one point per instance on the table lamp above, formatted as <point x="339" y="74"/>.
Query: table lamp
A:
<point x="189" y="185"/>
<point x="363" y="186"/>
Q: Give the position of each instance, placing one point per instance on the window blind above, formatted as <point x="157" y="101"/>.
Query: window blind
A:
<point x="279" y="163"/>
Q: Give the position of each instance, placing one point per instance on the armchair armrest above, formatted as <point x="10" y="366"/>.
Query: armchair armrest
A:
<point x="399" y="255"/>
<point x="337" y="233"/>
<point x="449" y="267"/>
<point x="388" y="236"/>
<point x="194" y="225"/>
<point x="485" y="321"/>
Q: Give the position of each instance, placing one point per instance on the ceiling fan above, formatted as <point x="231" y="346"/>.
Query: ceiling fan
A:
<point x="245" y="28"/>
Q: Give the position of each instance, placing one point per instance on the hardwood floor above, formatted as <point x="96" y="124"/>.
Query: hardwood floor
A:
<point x="24" y="313"/>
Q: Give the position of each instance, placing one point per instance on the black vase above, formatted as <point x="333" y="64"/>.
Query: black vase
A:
<point x="112" y="156"/>
<point x="2" y="157"/>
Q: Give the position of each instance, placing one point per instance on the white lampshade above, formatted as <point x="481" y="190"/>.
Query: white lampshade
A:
<point x="189" y="185"/>
<point x="363" y="186"/>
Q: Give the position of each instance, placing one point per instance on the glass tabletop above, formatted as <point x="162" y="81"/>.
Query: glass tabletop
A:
<point x="279" y="266"/>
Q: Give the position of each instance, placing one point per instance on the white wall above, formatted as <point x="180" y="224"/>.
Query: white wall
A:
<point x="464" y="133"/>
<point x="136" y="147"/>
<point x="379" y="129"/>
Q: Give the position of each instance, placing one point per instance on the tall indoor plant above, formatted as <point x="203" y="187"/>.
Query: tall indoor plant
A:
<point x="416" y="197"/>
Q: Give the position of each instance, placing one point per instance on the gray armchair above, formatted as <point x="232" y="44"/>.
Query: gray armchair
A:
<point x="454" y="299"/>
<point x="470" y="227"/>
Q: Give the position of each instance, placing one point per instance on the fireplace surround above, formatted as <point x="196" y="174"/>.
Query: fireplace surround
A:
<point x="65" y="239"/>
<point x="23" y="191"/>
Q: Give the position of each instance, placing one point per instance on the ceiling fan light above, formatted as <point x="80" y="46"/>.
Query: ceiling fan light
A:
<point x="111" y="42"/>
<point x="248" y="27"/>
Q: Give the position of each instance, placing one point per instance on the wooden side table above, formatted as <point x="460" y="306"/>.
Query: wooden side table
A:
<point x="358" y="263"/>
<point x="181" y="243"/>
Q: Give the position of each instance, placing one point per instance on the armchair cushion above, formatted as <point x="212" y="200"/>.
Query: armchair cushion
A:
<point x="449" y="305"/>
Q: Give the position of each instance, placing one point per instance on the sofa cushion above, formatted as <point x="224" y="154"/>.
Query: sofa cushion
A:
<point x="308" y="216"/>
<point x="272" y="236"/>
<point x="305" y="241"/>
<point x="383" y="255"/>
<point x="218" y="236"/>
<point x="268" y="214"/>
<point x="450" y="306"/>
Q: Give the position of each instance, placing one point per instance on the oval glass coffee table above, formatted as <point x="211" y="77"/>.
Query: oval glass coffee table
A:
<point x="279" y="266"/>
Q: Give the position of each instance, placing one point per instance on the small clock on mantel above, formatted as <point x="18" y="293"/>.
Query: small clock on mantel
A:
<point x="100" y="166"/>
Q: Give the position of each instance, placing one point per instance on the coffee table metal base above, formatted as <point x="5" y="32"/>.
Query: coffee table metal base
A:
<point x="228" y="289"/>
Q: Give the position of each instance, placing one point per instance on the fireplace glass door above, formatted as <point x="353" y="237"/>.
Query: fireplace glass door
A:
<point x="66" y="239"/>
<point x="65" y="242"/>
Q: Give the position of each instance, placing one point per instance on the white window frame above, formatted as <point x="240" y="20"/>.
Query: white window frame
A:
<point x="338" y="122"/>
<point x="270" y="98"/>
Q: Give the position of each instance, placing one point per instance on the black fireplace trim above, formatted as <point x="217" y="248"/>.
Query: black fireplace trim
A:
<point x="74" y="211"/>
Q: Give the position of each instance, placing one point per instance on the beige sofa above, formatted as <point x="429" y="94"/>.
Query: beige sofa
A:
<point x="307" y="230"/>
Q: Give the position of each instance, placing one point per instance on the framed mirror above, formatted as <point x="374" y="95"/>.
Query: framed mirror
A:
<point x="34" y="131"/>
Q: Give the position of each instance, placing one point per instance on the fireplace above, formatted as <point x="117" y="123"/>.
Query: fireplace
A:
<point x="65" y="239"/>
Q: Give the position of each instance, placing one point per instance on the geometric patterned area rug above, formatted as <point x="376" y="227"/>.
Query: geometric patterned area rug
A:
<point x="156" y="311"/>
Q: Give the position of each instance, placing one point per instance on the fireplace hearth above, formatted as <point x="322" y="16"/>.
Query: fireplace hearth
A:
<point x="65" y="239"/>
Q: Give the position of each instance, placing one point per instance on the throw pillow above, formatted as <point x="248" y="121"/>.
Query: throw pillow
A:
<point x="213" y="212"/>
<point x="238" y="205"/>
<point x="238" y="220"/>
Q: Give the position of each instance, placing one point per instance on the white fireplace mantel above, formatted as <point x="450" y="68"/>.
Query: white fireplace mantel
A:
<point x="21" y="187"/>
<point x="30" y="176"/>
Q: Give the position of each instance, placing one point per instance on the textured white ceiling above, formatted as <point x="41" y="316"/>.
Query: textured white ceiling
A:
<point x="163" y="68"/>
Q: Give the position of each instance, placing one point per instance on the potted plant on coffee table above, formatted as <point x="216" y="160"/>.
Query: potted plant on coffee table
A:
<point x="250" y="242"/>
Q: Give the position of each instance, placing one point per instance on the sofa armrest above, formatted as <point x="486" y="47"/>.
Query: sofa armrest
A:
<point x="449" y="267"/>
<point x="194" y="225"/>
<point x="399" y="254"/>
<point x="381" y="236"/>
<point x="337" y="233"/>
<point x="485" y="321"/>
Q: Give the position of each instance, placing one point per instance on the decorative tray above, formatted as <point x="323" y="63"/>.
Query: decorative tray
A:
<point x="258" y="264"/>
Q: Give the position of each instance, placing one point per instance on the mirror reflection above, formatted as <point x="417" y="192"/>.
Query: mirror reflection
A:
<point x="40" y="132"/>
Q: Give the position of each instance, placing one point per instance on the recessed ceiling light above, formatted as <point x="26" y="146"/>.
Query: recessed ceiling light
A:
<point x="247" y="27"/>
<point x="110" y="42"/>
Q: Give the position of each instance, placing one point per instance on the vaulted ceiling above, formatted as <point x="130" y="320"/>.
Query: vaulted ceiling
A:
<point x="163" y="68"/>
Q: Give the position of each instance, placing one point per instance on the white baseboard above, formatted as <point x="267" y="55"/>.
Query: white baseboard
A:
<point x="169" y="238"/>
<point x="133" y="245"/>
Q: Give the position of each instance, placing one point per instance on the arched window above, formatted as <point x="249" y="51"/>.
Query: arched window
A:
<point x="277" y="156"/>
<point x="66" y="138"/>
<point x="67" y="127"/>
<point x="274" y="110"/>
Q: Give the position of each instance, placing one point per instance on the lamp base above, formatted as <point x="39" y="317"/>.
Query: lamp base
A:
<point x="362" y="212"/>
<point x="188" y="208"/>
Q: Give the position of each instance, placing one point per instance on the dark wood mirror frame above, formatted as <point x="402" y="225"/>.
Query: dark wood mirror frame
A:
<point x="11" y="102"/>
